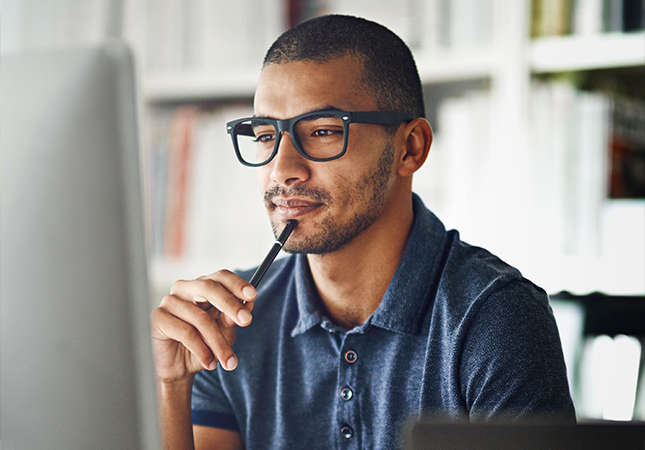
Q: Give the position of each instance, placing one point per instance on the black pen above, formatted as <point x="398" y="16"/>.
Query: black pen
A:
<point x="277" y="246"/>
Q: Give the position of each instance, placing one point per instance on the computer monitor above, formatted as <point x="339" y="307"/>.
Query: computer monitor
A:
<point x="76" y="363"/>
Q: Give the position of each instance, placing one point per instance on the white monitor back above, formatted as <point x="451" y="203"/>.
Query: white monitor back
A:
<point x="76" y="362"/>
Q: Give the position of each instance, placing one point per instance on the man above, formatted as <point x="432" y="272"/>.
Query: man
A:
<point x="380" y="315"/>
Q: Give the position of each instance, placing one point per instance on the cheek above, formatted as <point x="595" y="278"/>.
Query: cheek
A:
<point x="347" y="186"/>
<point x="264" y="177"/>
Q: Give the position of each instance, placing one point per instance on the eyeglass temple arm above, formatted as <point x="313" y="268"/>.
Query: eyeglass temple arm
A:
<point x="244" y="129"/>
<point x="381" y="117"/>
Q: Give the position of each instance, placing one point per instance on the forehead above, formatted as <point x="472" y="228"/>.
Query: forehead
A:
<point x="293" y="88"/>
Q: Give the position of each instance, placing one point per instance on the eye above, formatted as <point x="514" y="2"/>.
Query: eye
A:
<point x="264" y="138"/>
<point x="324" y="132"/>
<point x="319" y="126"/>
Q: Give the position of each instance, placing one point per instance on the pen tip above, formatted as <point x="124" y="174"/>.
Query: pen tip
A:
<point x="286" y="231"/>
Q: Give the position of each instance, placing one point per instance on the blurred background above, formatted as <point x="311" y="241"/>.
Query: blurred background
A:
<point x="538" y="109"/>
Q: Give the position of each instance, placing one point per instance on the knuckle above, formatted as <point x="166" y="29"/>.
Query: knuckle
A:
<point x="203" y="318"/>
<point x="166" y="300"/>
<point x="203" y="283"/>
<point x="188" y="334"/>
<point x="178" y="286"/>
<point x="222" y="272"/>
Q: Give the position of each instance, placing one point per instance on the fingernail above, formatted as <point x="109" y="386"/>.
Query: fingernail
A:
<point x="244" y="316"/>
<point x="248" y="292"/>
<point x="231" y="363"/>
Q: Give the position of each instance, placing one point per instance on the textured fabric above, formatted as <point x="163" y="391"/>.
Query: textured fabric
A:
<point x="458" y="333"/>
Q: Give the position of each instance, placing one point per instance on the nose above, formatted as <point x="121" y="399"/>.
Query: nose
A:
<point x="288" y="166"/>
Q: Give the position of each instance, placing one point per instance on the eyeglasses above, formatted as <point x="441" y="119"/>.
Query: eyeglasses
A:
<point x="317" y="135"/>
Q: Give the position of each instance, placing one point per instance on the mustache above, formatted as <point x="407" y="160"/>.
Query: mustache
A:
<point x="318" y="195"/>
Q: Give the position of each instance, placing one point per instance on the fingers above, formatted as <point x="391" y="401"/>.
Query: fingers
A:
<point x="195" y="325"/>
<point x="199" y="331"/>
<point x="178" y="348"/>
<point x="223" y="290"/>
<point x="227" y="327"/>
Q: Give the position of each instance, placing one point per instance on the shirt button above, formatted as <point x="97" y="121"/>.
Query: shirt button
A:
<point x="346" y="432"/>
<point x="351" y="356"/>
<point x="346" y="394"/>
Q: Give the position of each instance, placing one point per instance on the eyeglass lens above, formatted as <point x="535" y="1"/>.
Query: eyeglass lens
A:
<point x="318" y="136"/>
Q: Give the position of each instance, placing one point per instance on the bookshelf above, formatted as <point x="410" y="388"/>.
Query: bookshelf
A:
<point x="466" y="51"/>
<point x="603" y="51"/>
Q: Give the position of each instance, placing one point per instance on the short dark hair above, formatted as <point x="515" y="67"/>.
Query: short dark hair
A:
<point x="389" y="70"/>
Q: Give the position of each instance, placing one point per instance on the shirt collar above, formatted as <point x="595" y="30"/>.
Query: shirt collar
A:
<point x="415" y="281"/>
<point x="309" y="313"/>
<point x="407" y="297"/>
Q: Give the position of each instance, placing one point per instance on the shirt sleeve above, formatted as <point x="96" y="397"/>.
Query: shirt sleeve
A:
<point x="512" y="366"/>
<point x="210" y="405"/>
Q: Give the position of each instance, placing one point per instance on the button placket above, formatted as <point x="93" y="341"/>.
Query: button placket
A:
<point x="347" y="391"/>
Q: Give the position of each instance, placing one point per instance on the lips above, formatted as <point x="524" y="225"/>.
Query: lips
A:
<point x="291" y="208"/>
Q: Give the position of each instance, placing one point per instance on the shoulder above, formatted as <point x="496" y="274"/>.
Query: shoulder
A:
<point x="474" y="268"/>
<point x="501" y="329"/>
<point x="490" y="308"/>
<point x="476" y="283"/>
<point x="455" y="279"/>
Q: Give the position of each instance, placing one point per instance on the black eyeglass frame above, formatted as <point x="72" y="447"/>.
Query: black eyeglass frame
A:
<point x="369" y="117"/>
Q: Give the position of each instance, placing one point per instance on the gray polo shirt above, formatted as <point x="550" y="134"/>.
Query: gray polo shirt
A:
<point x="459" y="333"/>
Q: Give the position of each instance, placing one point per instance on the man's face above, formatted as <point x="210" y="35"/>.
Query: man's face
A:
<point x="333" y="201"/>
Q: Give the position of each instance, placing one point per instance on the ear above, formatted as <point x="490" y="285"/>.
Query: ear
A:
<point x="417" y="141"/>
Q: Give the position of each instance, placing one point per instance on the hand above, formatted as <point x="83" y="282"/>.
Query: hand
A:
<point x="194" y="327"/>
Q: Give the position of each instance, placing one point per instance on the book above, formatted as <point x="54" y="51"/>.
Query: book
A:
<point x="633" y="15"/>
<point x="180" y="148"/>
<point x="609" y="374"/>
<point x="627" y="152"/>
<point x="586" y="17"/>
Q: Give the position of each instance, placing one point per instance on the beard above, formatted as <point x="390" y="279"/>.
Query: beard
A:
<point x="367" y="194"/>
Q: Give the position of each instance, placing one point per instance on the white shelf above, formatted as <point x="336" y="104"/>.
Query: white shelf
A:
<point x="585" y="275"/>
<point x="186" y="85"/>
<point x="450" y="67"/>
<point x="618" y="269"/>
<point x="603" y="51"/>
<point x="552" y="54"/>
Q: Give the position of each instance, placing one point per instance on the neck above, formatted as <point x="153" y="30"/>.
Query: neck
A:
<point x="353" y="280"/>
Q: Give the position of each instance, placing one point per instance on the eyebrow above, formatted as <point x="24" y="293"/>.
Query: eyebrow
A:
<point x="324" y="108"/>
